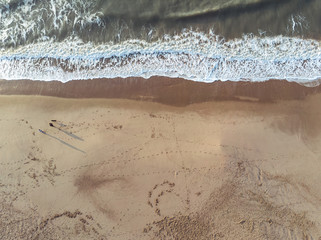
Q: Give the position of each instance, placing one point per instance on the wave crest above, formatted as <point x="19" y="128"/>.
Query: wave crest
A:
<point x="192" y="55"/>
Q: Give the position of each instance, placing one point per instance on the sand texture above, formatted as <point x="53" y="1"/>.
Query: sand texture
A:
<point x="125" y="169"/>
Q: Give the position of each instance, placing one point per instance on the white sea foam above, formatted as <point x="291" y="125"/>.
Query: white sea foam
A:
<point x="191" y="55"/>
<point x="37" y="53"/>
<point x="37" y="21"/>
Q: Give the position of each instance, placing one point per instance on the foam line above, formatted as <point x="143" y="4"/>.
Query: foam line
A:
<point x="191" y="55"/>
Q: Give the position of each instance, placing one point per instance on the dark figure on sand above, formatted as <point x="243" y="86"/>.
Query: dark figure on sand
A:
<point x="42" y="131"/>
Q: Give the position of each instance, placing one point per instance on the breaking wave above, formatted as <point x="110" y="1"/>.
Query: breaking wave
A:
<point x="71" y="39"/>
<point x="192" y="55"/>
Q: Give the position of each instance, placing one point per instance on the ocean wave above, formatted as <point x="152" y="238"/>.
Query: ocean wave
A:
<point x="30" y="21"/>
<point x="24" y="22"/>
<point x="197" y="56"/>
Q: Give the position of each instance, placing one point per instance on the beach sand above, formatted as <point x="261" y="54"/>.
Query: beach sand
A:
<point x="243" y="166"/>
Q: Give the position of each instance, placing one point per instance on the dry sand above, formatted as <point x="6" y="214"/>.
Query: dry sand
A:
<point x="125" y="169"/>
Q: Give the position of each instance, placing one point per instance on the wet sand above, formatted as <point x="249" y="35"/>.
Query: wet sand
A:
<point x="170" y="91"/>
<point x="160" y="160"/>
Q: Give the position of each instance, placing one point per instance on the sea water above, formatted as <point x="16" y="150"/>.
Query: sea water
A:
<point x="252" y="40"/>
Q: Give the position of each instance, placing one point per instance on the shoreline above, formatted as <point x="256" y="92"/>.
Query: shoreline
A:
<point x="169" y="91"/>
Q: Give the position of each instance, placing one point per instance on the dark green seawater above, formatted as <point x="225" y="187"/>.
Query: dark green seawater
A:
<point x="213" y="39"/>
<point x="228" y="18"/>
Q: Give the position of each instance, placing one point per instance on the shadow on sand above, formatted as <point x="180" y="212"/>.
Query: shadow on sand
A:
<point x="71" y="134"/>
<point x="63" y="142"/>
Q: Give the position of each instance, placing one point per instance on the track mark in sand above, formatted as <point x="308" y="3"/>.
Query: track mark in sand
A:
<point x="35" y="165"/>
<point x="116" y="158"/>
<point x="43" y="170"/>
<point x="80" y="224"/>
<point x="185" y="170"/>
<point x="154" y="199"/>
<point x="153" y="135"/>
<point x="112" y="159"/>
<point x="68" y="214"/>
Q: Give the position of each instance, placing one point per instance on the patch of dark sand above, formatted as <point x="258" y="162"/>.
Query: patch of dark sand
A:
<point x="171" y="91"/>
